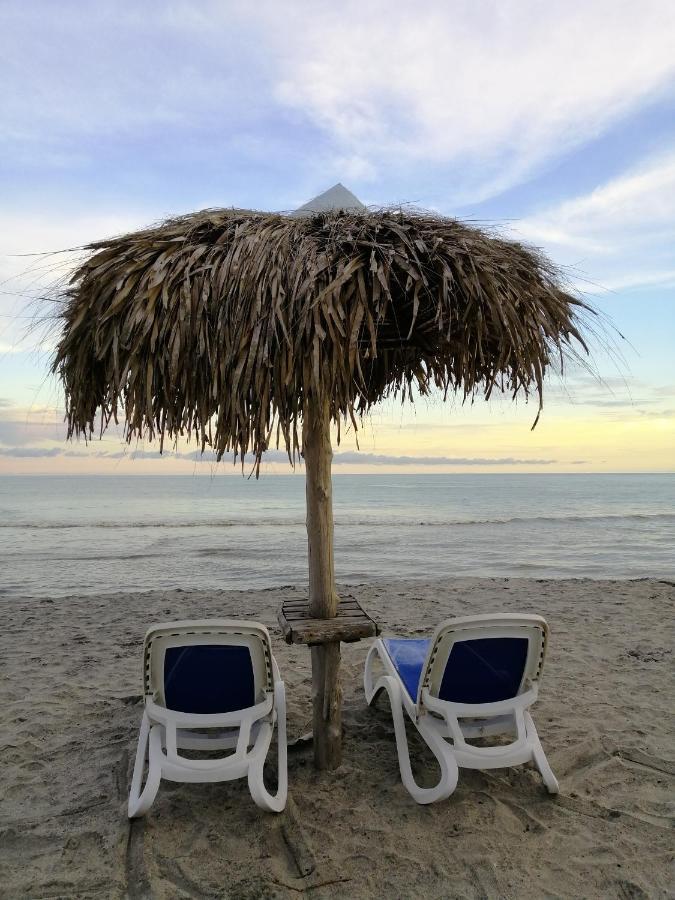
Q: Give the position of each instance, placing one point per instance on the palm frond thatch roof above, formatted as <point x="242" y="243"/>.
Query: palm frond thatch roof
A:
<point x="222" y="324"/>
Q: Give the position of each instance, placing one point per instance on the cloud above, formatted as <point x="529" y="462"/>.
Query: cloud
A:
<point x="374" y="459"/>
<point x="656" y="413"/>
<point x="32" y="452"/>
<point x="633" y="395"/>
<point x="623" y="207"/>
<point x="30" y="428"/>
<point x="32" y="262"/>
<point x="624" y="230"/>
<point x="496" y="87"/>
<point x="7" y="348"/>
<point x="275" y="456"/>
<point x="609" y="403"/>
<point x="645" y="278"/>
<point x="505" y="86"/>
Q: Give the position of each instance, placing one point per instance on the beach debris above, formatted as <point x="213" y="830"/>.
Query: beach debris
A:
<point x="296" y="840"/>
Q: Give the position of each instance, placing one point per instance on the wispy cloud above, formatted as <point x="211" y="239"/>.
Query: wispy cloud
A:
<point x="633" y="396"/>
<point x="32" y="452"/>
<point x="498" y="87"/>
<point x="23" y="428"/>
<point x="375" y="459"/>
<point x="507" y="88"/>
<point x="642" y="198"/>
<point x="273" y="456"/>
<point x="32" y="262"/>
<point x="624" y="230"/>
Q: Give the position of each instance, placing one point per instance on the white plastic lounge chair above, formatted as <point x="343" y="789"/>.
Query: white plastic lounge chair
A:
<point x="200" y="675"/>
<point x="476" y="676"/>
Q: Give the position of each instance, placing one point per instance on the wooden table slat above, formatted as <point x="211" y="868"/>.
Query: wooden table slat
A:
<point x="298" y="604"/>
<point x="305" y="614"/>
<point x="352" y="623"/>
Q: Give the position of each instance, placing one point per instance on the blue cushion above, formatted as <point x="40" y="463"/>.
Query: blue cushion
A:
<point x="208" y="679"/>
<point x="482" y="670"/>
<point x="408" y="655"/>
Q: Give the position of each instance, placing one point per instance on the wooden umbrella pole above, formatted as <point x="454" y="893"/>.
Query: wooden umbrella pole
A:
<point x="323" y="598"/>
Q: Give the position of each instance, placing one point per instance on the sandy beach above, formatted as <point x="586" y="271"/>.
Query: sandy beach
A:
<point x="71" y="701"/>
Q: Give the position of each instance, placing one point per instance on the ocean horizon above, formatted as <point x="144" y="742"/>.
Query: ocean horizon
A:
<point x="91" y="534"/>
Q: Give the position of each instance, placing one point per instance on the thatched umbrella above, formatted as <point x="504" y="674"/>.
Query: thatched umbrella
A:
<point x="238" y="328"/>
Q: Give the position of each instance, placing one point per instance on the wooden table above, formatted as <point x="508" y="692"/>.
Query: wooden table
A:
<point x="352" y="623"/>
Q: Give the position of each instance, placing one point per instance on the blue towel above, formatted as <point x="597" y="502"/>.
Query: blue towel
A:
<point x="408" y="655"/>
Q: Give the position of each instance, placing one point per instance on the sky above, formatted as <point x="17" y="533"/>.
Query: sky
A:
<point x="554" y="121"/>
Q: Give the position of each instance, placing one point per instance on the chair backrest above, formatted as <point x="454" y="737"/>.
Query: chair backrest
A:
<point x="484" y="659"/>
<point x="207" y="666"/>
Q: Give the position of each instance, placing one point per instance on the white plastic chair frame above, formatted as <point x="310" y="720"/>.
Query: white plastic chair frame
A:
<point x="439" y="721"/>
<point x="249" y="731"/>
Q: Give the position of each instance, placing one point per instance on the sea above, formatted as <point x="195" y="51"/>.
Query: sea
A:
<point x="81" y="535"/>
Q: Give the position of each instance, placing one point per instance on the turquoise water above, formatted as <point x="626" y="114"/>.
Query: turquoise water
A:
<point x="64" y="535"/>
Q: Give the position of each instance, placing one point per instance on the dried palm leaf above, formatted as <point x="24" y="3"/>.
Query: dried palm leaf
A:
<point x="221" y="325"/>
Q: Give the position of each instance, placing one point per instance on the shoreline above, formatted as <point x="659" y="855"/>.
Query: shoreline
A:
<point x="72" y="691"/>
<point x="344" y="587"/>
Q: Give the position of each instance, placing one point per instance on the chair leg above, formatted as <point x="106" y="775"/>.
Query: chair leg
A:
<point x="261" y="796"/>
<point x="539" y="757"/>
<point x="439" y="747"/>
<point x="368" y="675"/>
<point x="149" y="749"/>
<point x="371" y="692"/>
